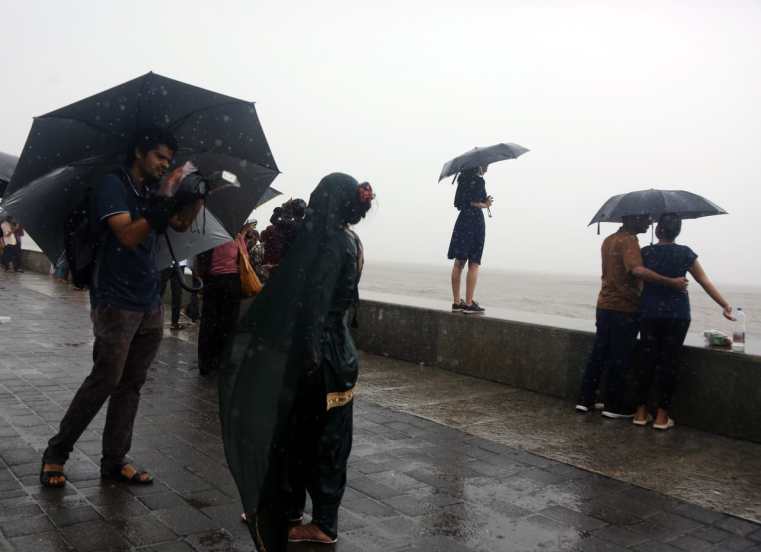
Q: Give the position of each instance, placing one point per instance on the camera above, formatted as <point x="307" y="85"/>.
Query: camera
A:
<point x="187" y="183"/>
<point x="192" y="187"/>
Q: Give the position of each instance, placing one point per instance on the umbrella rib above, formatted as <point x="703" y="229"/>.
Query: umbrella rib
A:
<point x="86" y="123"/>
<point x="141" y="95"/>
<point x="187" y="116"/>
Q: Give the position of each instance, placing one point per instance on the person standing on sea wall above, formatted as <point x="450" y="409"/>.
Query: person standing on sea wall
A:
<point x="617" y="319"/>
<point x="468" y="237"/>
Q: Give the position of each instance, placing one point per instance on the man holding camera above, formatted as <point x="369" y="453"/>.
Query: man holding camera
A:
<point x="127" y="314"/>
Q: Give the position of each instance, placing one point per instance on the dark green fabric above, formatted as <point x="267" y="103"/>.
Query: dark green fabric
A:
<point x="277" y="342"/>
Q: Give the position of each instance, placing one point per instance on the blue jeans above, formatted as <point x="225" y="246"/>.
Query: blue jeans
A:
<point x="612" y="352"/>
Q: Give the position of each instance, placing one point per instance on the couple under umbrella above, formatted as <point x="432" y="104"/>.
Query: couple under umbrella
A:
<point x="659" y="310"/>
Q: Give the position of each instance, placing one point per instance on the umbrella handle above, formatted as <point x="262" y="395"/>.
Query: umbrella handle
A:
<point x="197" y="284"/>
<point x="178" y="272"/>
<point x="488" y="210"/>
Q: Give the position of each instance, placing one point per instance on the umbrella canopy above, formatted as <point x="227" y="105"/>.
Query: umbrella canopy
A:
<point x="656" y="203"/>
<point x="204" y="234"/>
<point x="481" y="157"/>
<point x="67" y="147"/>
<point x="7" y="165"/>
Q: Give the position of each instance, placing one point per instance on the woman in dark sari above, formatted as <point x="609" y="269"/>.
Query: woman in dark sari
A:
<point x="286" y="388"/>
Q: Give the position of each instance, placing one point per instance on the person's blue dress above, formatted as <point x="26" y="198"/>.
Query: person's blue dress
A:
<point x="469" y="232"/>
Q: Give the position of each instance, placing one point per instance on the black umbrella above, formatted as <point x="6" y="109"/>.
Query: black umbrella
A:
<point x="481" y="157"/>
<point x="67" y="146"/>
<point x="7" y="166"/>
<point x="656" y="203"/>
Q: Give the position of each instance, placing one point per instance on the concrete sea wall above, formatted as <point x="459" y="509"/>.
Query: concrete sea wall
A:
<point x="718" y="391"/>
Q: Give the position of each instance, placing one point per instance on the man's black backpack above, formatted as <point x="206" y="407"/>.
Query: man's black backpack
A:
<point x="80" y="241"/>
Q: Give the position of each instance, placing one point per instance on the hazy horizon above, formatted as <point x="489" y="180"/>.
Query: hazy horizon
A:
<point x="608" y="96"/>
<point x="444" y="267"/>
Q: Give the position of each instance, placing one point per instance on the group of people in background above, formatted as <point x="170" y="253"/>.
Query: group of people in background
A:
<point x="10" y="244"/>
<point x="644" y="291"/>
<point x="219" y="270"/>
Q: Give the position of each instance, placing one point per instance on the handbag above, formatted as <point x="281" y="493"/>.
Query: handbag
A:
<point x="249" y="281"/>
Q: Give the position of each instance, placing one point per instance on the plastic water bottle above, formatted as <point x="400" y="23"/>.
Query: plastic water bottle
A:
<point x="738" y="333"/>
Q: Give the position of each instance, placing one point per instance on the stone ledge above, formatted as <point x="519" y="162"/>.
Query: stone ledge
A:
<point x="718" y="391"/>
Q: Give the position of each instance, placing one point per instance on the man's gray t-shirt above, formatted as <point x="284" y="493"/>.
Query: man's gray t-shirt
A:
<point x="124" y="278"/>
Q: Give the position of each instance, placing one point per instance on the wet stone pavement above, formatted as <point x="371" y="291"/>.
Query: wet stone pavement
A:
<point x="414" y="484"/>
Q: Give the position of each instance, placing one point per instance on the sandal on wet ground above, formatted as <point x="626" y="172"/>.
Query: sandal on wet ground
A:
<point x="310" y="533"/>
<point x="664" y="427"/>
<point x="644" y="422"/>
<point x="133" y="476"/>
<point x="47" y="475"/>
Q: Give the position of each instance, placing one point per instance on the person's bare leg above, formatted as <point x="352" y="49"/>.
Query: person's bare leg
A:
<point x="641" y="415"/>
<point x="662" y="417"/>
<point x="470" y="282"/>
<point x="456" y="281"/>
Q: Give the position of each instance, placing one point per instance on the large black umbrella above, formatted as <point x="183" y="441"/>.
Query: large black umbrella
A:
<point x="67" y="146"/>
<point x="481" y="157"/>
<point x="7" y="165"/>
<point x="656" y="203"/>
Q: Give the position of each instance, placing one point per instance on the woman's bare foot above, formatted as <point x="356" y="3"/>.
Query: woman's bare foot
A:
<point x="52" y="475"/>
<point x="309" y="533"/>
<point x="640" y="417"/>
<point x="662" y="417"/>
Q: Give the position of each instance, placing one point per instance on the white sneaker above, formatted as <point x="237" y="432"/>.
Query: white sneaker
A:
<point x="644" y="422"/>
<point x="664" y="427"/>
<point x="615" y="415"/>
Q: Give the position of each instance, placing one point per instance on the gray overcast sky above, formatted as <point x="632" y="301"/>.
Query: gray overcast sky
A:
<point x="610" y="96"/>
